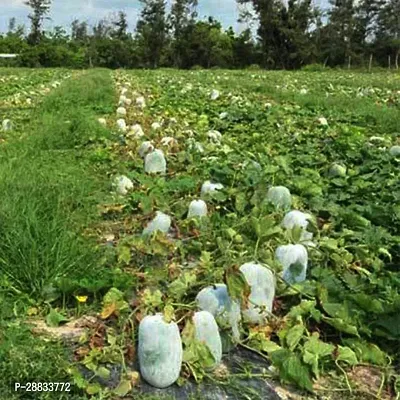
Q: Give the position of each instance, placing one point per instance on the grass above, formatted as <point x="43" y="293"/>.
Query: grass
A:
<point x="48" y="191"/>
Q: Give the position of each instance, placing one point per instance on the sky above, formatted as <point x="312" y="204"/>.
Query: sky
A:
<point x="63" y="12"/>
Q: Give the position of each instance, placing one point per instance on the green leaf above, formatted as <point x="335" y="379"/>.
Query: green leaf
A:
<point x="341" y="325"/>
<point x="306" y="307"/>
<point x="315" y="349"/>
<point x="388" y="326"/>
<point x="295" y="270"/>
<point x="124" y="387"/>
<point x="124" y="254"/>
<point x="292" y="369"/>
<point x="93" y="388"/>
<point x="54" y="318"/>
<point x="346" y="355"/>
<point x="180" y="286"/>
<point x="368" y="303"/>
<point x="367" y="352"/>
<point x="328" y="243"/>
<point x="296" y="233"/>
<point x="103" y="373"/>
<point x="238" y="287"/>
<point x="335" y="310"/>
<point x="240" y="202"/>
<point x="294" y="336"/>
<point x="152" y="299"/>
<point x="269" y="346"/>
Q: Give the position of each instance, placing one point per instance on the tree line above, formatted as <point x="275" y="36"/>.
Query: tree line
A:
<point x="286" y="34"/>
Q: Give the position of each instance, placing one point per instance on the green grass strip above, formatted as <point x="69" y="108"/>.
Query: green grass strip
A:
<point x="50" y="189"/>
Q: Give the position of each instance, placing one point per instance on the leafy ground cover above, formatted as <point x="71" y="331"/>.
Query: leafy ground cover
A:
<point x="19" y="84"/>
<point x="277" y="128"/>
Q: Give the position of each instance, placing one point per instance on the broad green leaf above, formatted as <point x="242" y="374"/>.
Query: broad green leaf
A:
<point x="54" y="318"/>
<point x="292" y="369"/>
<point x="240" y="202"/>
<point x="315" y="349"/>
<point x="152" y="299"/>
<point x="305" y="308"/>
<point x="124" y="254"/>
<point x="367" y="352"/>
<point x="294" y="336"/>
<point x="341" y="325"/>
<point x="238" y="287"/>
<point x="103" y="373"/>
<point x="123" y="388"/>
<point x="346" y="355"/>
<point x="93" y="388"/>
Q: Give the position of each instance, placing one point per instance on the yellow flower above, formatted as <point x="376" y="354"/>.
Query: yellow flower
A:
<point x="81" y="299"/>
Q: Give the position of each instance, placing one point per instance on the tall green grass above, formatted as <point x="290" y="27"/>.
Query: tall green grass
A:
<point x="49" y="192"/>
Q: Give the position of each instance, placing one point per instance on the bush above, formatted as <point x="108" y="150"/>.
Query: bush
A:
<point x="196" y="68"/>
<point x="314" y="68"/>
<point x="254" y="67"/>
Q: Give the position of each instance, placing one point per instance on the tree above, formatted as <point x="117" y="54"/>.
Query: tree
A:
<point x="183" y="14"/>
<point x="120" y="27"/>
<point x="268" y="14"/>
<point x="284" y="31"/>
<point x="152" y="31"/>
<point x="11" y="25"/>
<point x="207" y="45"/>
<point x="341" y="30"/>
<point x="40" y="8"/>
<point x="388" y="30"/>
<point x="79" y="30"/>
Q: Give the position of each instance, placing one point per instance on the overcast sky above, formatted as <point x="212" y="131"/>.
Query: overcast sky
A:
<point x="63" y="12"/>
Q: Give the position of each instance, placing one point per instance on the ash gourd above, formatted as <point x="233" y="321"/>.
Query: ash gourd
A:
<point x="195" y="146"/>
<point x="102" y="121"/>
<point x="161" y="222"/>
<point x="209" y="187"/>
<point x="214" y="95"/>
<point x="216" y="300"/>
<point x="297" y="218"/>
<point x="280" y="197"/>
<point x="262" y="292"/>
<point x="214" y="136"/>
<point x="145" y="147"/>
<point x="294" y="259"/>
<point x="206" y="331"/>
<point x="337" y="170"/>
<point x="160" y="351"/>
<point x="123" y="185"/>
<point x="155" y="162"/>
<point x="121" y="124"/>
<point x="168" y="141"/>
<point x="6" y="125"/>
<point x="395" y="151"/>
<point x="141" y="102"/>
<point x="121" y="111"/>
<point x="136" y="131"/>
<point x="197" y="208"/>
<point x="155" y="126"/>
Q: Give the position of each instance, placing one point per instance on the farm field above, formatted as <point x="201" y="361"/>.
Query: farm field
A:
<point x="79" y="260"/>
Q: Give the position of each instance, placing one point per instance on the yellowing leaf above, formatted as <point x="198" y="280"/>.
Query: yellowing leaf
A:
<point x="124" y="387"/>
<point x="113" y="303"/>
